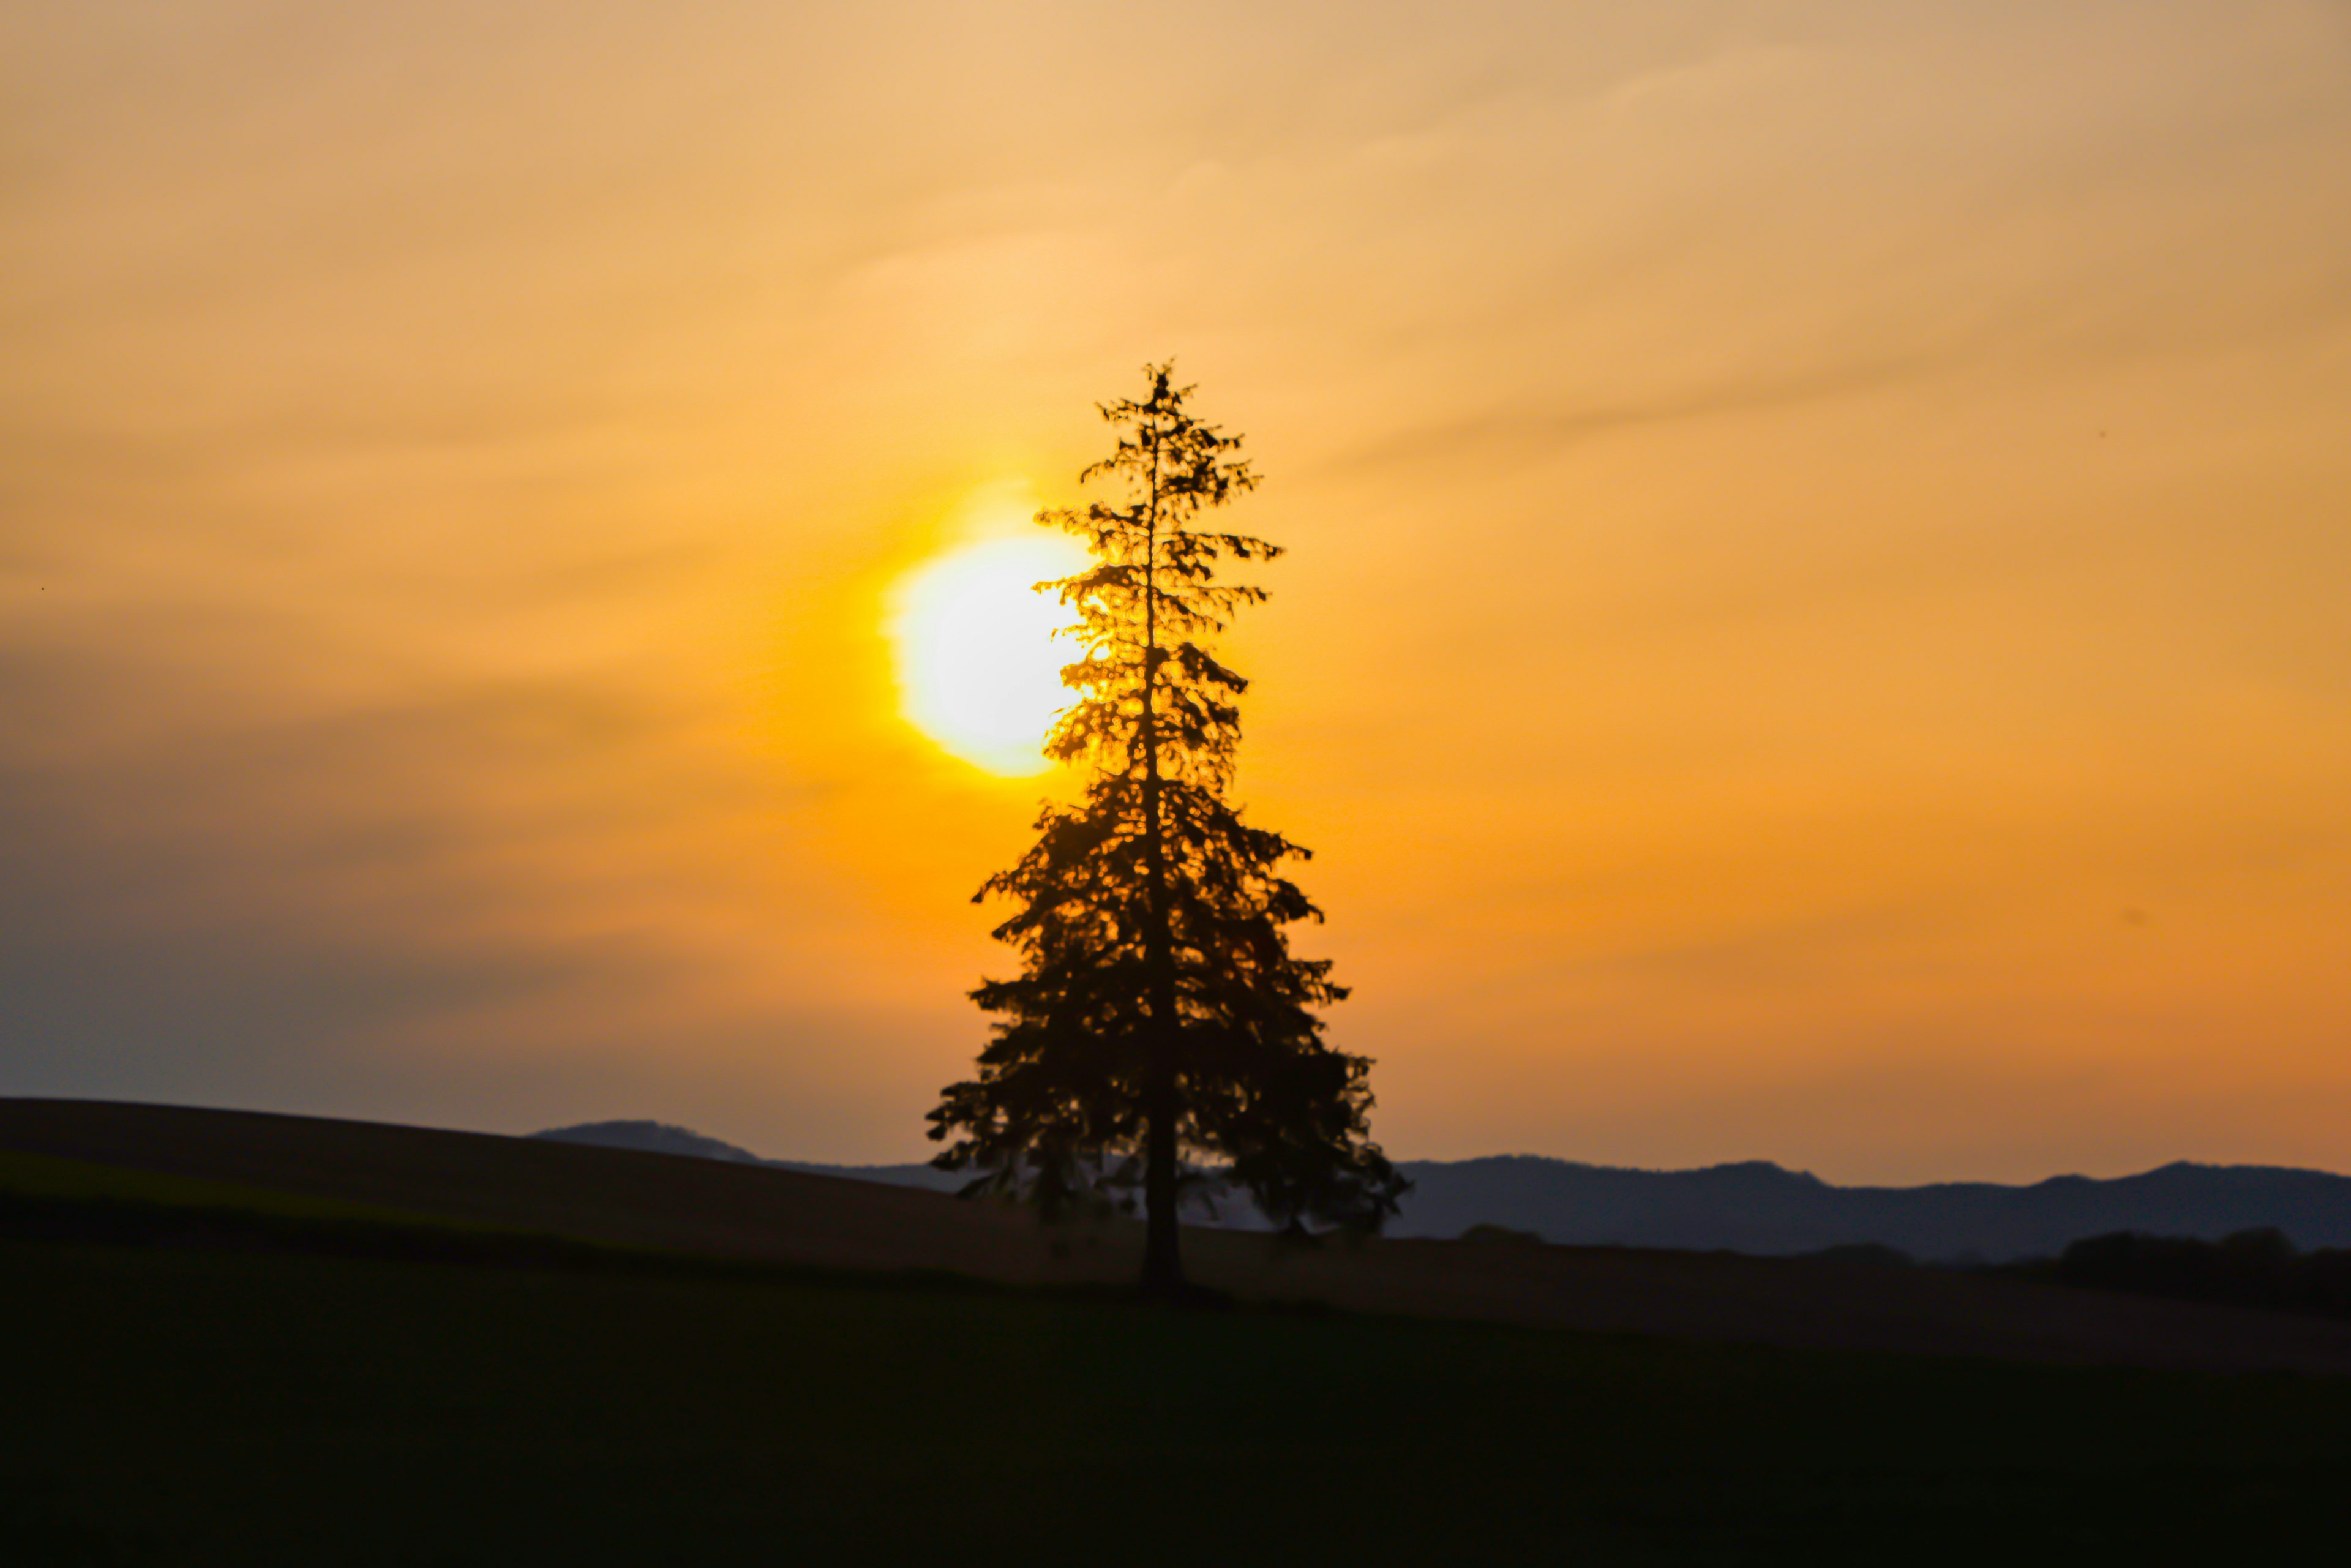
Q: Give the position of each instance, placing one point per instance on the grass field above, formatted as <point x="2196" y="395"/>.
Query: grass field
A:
<point x="173" y="1406"/>
<point x="272" y="1340"/>
<point x="567" y="1198"/>
<point x="82" y="1181"/>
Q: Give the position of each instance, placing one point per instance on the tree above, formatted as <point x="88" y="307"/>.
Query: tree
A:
<point x="1160" y="1022"/>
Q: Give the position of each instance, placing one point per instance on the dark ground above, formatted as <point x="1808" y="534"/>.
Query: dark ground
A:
<point x="625" y="1199"/>
<point x="245" y="1340"/>
<point x="174" y="1406"/>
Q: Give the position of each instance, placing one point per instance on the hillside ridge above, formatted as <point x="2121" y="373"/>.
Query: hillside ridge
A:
<point x="728" y="1210"/>
<point x="1753" y="1205"/>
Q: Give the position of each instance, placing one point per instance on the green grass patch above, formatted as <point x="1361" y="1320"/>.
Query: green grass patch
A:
<point x="70" y="1201"/>
<point x="186" y="1406"/>
<point x="47" y="1177"/>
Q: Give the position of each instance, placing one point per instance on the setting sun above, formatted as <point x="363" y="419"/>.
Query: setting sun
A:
<point x="977" y="661"/>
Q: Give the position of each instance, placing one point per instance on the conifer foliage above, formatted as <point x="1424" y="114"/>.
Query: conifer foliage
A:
<point x="1160" y="1027"/>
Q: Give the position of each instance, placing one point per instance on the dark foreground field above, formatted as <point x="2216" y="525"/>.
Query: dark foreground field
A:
<point x="627" y="1198"/>
<point x="270" y="1340"/>
<point x="178" y="1406"/>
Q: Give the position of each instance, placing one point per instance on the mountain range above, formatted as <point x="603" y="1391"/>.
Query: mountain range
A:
<point x="1753" y="1206"/>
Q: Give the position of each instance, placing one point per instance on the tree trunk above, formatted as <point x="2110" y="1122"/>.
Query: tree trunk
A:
<point x="1163" y="1262"/>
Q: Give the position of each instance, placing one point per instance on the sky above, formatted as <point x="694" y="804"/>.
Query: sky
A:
<point x="1814" y="628"/>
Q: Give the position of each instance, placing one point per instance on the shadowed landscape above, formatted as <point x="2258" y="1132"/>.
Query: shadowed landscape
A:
<point x="705" y="1208"/>
<point x="747" y="1359"/>
<point x="1752" y="1206"/>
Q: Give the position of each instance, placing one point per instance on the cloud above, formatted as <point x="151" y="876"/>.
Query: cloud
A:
<point x="1535" y="434"/>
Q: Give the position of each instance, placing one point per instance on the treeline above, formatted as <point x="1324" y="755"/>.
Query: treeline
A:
<point x="2249" y="1269"/>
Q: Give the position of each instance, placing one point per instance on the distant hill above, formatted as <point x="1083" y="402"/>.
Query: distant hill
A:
<point x="1760" y="1207"/>
<point x="653" y="1138"/>
<point x="664" y="1138"/>
<point x="1755" y="1207"/>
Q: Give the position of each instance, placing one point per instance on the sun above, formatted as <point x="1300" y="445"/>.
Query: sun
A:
<point x="979" y="665"/>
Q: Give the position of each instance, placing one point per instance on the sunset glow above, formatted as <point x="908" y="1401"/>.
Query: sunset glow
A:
<point x="977" y="661"/>
<point x="1813" y="627"/>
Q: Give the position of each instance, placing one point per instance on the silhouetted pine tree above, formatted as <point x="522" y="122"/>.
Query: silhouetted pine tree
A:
<point x="1160" y="1018"/>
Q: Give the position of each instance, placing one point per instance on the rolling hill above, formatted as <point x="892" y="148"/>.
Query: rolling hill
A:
<point x="1756" y="1206"/>
<point x="732" y="1209"/>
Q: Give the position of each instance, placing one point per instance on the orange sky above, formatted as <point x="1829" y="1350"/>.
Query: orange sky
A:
<point x="1815" y="628"/>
